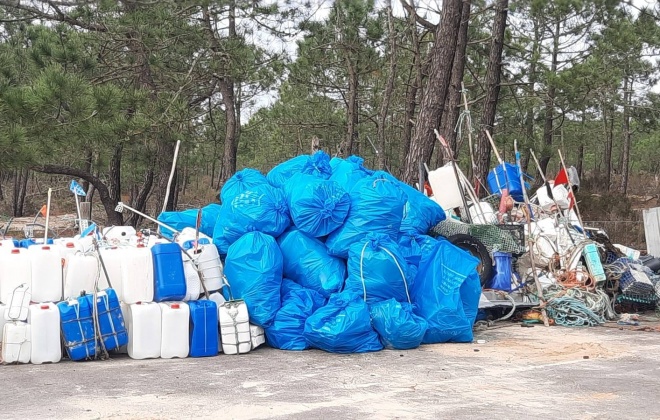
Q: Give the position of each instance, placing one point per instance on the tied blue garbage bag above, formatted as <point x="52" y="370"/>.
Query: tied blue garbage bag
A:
<point x="210" y="214"/>
<point x="261" y="209"/>
<point x="377" y="271"/>
<point x="298" y="304"/>
<point x="413" y="246"/>
<point x="306" y="261"/>
<point x="347" y="172"/>
<point x="177" y="220"/>
<point x="446" y="293"/>
<point x="240" y="182"/>
<point x="254" y="272"/>
<point x="376" y="206"/>
<point x="421" y="213"/>
<point x="396" y="324"/>
<point x="317" y="165"/>
<point x="317" y="206"/>
<point x="343" y="325"/>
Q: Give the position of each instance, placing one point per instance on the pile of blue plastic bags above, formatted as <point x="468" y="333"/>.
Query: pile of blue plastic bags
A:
<point x="328" y="254"/>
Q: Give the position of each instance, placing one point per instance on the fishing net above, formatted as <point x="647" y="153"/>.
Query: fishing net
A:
<point x="494" y="237"/>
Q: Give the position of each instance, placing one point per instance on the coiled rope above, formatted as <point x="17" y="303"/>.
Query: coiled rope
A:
<point x="577" y="307"/>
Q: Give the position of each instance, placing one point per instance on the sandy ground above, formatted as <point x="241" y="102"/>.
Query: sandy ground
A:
<point x="517" y="373"/>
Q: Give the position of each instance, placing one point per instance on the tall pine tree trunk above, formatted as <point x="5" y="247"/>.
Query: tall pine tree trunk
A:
<point x="433" y="99"/>
<point x="625" y="166"/>
<point x="346" y="146"/>
<point x="548" y="126"/>
<point x="389" y="88"/>
<point x="453" y="103"/>
<point x="493" y="73"/>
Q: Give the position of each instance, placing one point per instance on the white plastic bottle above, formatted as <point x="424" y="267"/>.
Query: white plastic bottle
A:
<point x="137" y="273"/>
<point x="44" y="322"/>
<point x="46" y="269"/>
<point x="80" y="273"/>
<point x="235" y="327"/>
<point x="175" y="330"/>
<point x="16" y="346"/>
<point x="193" y="284"/>
<point x="144" y="325"/>
<point x="15" y="270"/>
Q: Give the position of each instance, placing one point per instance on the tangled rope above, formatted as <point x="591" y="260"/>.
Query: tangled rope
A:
<point x="576" y="307"/>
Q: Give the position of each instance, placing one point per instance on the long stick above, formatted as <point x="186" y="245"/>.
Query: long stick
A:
<point x="499" y="159"/>
<point x="458" y="179"/>
<point x="79" y="214"/>
<point x="169" y="181"/>
<point x="121" y="206"/>
<point x="50" y="191"/>
<point x="570" y="187"/>
<point x="469" y="125"/>
<point x="539" y="288"/>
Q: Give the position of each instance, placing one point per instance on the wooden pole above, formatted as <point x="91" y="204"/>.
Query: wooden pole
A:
<point x="570" y="187"/>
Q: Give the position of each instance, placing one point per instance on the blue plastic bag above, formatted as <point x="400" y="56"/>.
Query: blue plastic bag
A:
<point x="317" y="206"/>
<point x="376" y="206"/>
<point x="240" y="182"/>
<point x="254" y="272"/>
<point x="317" y="164"/>
<point x="306" y="261"/>
<point x="177" y="220"/>
<point x="377" y="271"/>
<point x="421" y="213"/>
<point x="261" y="209"/>
<point x="396" y="324"/>
<point x="210" y="214"/>
<point x="343" y="325"/>
<point x="298" y="304"/>
<point x="413" y="246"/>
<point x="445" y="294"/>
<point x="347" y="172"/>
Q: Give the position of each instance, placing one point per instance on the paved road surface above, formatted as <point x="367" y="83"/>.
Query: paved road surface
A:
<point x="596" y="373"/>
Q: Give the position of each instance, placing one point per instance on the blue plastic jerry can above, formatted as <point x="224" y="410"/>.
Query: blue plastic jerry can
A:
<point x="77" y="328"/>
<point x="111" y="320"/>
<point x="169" y="277"/>
<point x="204" y="339"/>
<point x="502" y="278"/>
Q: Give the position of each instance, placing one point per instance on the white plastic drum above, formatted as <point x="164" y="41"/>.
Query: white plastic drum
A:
<point x="143" y="322"/>
<point x="137" y="274"/>
<point x="46" y="267"/>
<point x="80" y="274"/>
<point x="16" y="345"/>
<point x="44" y="322"/>
<point x="15" y="270"/>
<point x="175" y="330"/>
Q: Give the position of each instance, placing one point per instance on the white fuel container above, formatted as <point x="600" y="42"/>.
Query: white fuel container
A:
<point x="44" y="322"/>
<point x="137" y="274"/>
<point x="16" y="346"/>
<point x="235" y="327"/>
<point x="193" y="284"/>
<point x="112" y="259"/>
<point x="15" y="270"/>
<point x="175" y="330"/>
<point x="3" y="321"/>
<point x="210" y="266"/>
<point x="80" y="273"/>
<point x="446" y="190"/>
<point x="143" y="322"/>
<point x="119" y="235"/>
<point x="257" y="336"/>
<point x="46" y="268"/>
<point x="6" y="245"/>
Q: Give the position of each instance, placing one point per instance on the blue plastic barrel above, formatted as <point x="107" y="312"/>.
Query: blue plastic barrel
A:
<point x="502" y="278"/>
<point x="204" y="341"/>
<point x="497" y="180"/>
<point x="77" y="328"/>
<point x="169" y="277"/>
<point x="111" y="320"/>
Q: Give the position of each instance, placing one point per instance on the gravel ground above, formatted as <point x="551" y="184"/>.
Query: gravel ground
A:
<point x="517" y="373"/>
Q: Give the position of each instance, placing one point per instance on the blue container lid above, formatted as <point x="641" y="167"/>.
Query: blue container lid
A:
<point x="168" y="248"/>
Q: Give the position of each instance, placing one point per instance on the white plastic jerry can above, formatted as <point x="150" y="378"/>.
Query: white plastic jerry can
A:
<point x="18" y="304"/>
<point x="210" y="266"/>
<point x="16" y="345"/>
<point x="144" y="325"/>
<point x="46" y="268"/>
<point x="119" y="235"/>
<point x="112" y="259"/>
<point x="175" y="330"/>
<point x="257" y="336"/>
<point x="44" y="322"/>
<point x="137" y="274"/>
<point x="193" y="284"/>
<point x="80" y="274"/>
<point x="3" y="321"/>
<point x="6" y="245"/>
<point x="15" y="270"/>
<point x="235" y="327"/>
